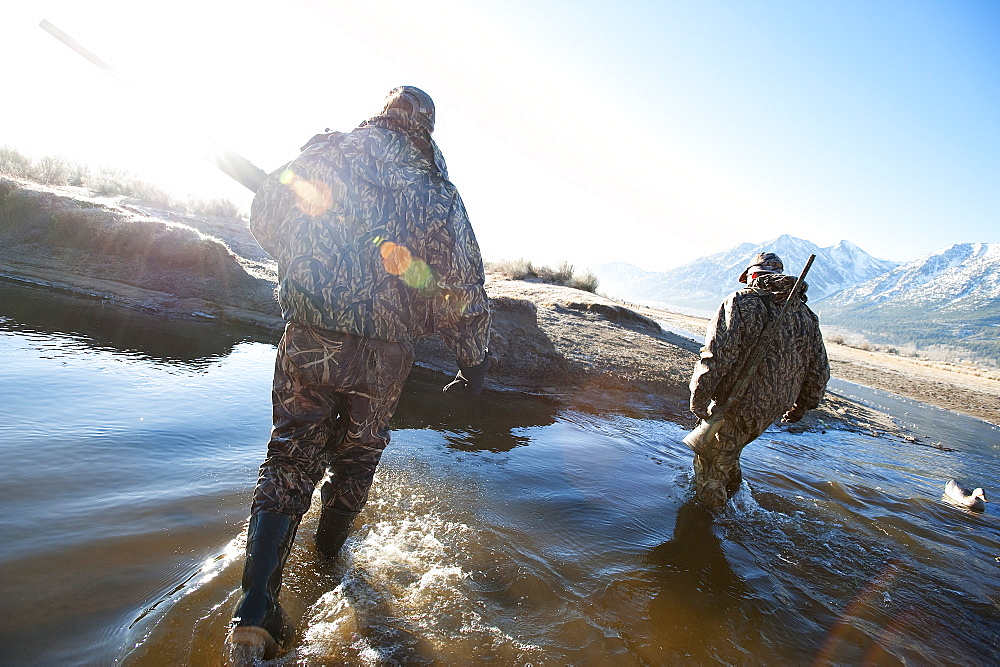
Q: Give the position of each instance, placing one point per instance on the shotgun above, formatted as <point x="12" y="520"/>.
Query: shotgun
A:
<point x="706" y="430"/>
<point x="228" y="161"/>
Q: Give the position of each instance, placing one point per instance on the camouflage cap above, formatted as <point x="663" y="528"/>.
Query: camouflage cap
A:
<point x="763" y="262"/>
<point x="410" y="106"/>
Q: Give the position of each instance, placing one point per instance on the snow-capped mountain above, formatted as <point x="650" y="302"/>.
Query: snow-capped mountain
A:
<point x="961" y="276"/>
<point x="948" y="299"/>
<point x="699" y="286"/>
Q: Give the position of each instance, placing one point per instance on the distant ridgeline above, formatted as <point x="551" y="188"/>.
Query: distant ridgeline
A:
<point x="949" y="299"/>
<point x="700" y="286"/>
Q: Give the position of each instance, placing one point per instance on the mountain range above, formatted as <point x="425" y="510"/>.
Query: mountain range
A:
<point x="948" y="298"/>
<point x="699" y="286"/>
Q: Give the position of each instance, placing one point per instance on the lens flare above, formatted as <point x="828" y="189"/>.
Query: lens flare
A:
<point x="399" y="261"/>
<point x="418" y="275"/>
<point x="397" y="258"/>
<point x="312" y="197"/>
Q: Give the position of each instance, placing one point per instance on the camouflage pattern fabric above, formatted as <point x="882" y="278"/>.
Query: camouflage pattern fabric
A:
<point x="411" y="111"/>
<point x="792" y="375"/>
<point x="717" y="472"/>
<point x="373" y="240"/>
<point x="333" y="396"/>
<point x="793" y="372"/>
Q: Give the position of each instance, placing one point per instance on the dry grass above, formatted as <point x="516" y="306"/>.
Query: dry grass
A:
<point x="941" y="355"/>
<point x="564" y="274"/>
<point x="108" y="182"/>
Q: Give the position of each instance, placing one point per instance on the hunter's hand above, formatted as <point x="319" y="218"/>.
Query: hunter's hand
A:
<point x="470" y="380"/>
<point x="793" y="415"/>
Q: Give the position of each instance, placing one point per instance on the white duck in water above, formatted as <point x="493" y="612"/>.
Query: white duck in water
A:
<point x="959" y="495"/>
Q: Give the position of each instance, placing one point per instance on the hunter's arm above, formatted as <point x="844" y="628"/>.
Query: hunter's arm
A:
<point x="817" y="374"/>
<point x="723" y="342"/>
<point x="270" y="206"/>
<point x="461" y="308"/>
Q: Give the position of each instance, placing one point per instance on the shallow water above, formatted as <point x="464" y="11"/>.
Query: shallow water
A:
<point x="507" y="531"/>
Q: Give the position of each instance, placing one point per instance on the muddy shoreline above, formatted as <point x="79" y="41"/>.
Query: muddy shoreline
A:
<point x="587" y="351"/>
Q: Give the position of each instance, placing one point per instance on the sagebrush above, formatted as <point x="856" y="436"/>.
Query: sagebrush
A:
<point x="564" y="274"/>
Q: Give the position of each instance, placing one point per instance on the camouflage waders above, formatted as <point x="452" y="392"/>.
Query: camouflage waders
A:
<point x="333" y="396"/>
<point x="717" y="472"/>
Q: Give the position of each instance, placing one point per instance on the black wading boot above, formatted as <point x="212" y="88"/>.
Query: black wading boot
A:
<point x="334" y="527"/>
<point x="260" y="628"/>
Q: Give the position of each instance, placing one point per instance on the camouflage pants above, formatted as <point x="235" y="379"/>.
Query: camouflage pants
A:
<point x="332" y="397"/>
<point x="717" y="473"/>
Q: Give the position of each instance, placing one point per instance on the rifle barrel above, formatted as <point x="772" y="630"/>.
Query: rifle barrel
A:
<point x="231" y="163"/>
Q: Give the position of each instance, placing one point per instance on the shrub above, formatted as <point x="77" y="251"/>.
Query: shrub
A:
<point x="588" y="282"/>
<point x="51" y="170"/>
<point x="79" y="174"/>
<point x="522" y="269"/>
<point x="110" y="182"/>
<point x="558" y="276"/>
<point x="519" y="269"/>
<point x="148" y="193"/>
<point x="219" y="208"/>
<point x="14" y="163"/>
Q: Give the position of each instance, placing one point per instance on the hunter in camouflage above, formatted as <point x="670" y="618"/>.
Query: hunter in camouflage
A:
<point x="373" y="240"/>
<point x="789" y="380"/>
<point x="374" y="251"/>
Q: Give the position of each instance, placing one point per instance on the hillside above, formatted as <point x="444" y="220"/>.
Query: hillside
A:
<point x="561" y="342"/>
<point x="948" y="298"/>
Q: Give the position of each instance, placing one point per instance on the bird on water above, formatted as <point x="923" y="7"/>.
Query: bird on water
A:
<point x="959" y="495"/>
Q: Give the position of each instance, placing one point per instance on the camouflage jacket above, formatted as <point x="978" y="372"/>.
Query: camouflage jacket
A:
<point x="793" y="373"/>
<point x="372" y="239"/>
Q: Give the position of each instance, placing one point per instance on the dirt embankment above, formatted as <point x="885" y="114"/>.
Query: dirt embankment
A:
<point x="589" y="351"/>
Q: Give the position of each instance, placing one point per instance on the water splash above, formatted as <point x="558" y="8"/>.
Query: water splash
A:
<point x="404" y="597"/>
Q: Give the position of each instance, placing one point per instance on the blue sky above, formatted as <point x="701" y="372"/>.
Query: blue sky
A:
<point x="644" y="132"/>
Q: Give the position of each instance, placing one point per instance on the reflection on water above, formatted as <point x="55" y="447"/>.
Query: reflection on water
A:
<point x="471" y="425"/>
<point x="692" y="560"/>
<point x="130" y="452"/>
<point x="506" y="530"/>
<point x="105" y="326"/>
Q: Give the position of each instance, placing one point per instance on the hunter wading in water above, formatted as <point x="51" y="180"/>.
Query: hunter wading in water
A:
<point x="374" y="251"/>
<point x="790" y="379"/>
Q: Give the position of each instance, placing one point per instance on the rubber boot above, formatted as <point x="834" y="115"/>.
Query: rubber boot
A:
<point x="334" y="527"/>
<point x="260" y="628"/>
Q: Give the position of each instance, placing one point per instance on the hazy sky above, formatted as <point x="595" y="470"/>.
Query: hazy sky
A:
<point x="644" y="132"/>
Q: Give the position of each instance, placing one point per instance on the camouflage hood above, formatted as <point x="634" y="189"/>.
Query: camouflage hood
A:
<point x="410" y="111"/>
<point x="779" y="286"/>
